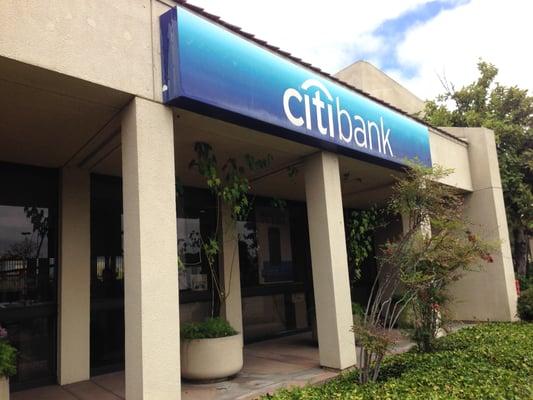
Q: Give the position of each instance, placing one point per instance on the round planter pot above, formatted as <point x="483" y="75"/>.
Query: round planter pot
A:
<point x="4" y="388"/>
<point x="211" y="359"/>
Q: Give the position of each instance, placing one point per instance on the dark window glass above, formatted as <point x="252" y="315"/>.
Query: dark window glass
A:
<point x="248" y="253"/>
<point x="265" y="246"/>
<point x="196" y="223"/>
<point x="196" y="216"/>
<point x="28" y="269"/>
<point x="107" y="275"/>
<point x="274" y="246"/>
<point x="275" y="269"/>
<point x="28" y="274"/>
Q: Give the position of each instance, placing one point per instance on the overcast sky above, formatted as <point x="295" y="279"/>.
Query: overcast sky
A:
<point x="414" y="41"/>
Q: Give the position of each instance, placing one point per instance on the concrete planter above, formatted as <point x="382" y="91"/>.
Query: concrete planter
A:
<point x="211" y="359"/>
<point x="4" y="388"/>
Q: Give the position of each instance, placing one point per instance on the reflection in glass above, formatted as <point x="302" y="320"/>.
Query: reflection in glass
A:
<point x="27" y="278"/>
<point x="264" y="316"/>
<point x="107" y="274"/>
<point x="190" y="254"/>
<point x="248" y="253"/>
<point x="265" y="249"/>
<point x="274" y="235"/>
<point x="26" y="272"/>
<point x="33" y="340"/>
<point x="196" y="222"/>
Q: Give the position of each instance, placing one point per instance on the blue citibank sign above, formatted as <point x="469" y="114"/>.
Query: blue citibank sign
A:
<point x="212" y="70"/>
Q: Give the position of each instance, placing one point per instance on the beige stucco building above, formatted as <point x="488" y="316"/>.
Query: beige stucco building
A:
<point x="91" y="222"/>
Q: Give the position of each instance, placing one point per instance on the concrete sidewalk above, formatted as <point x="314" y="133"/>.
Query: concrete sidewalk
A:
<point x="268" y="366"/>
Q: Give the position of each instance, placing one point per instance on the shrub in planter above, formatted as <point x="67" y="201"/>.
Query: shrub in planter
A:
<point x="210" y="350"/>
<point x="208" y="329"/>
<point x="7" y="359"/>
<point x="213" y="350"/>
<point x="7" y="364"/>
<point x="525" y="305"/>
<point x="7" y="356"/>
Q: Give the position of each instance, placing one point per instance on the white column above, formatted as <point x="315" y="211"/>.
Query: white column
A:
<point x="329" y="262"/>
<point x="488" y="294"/>
<point x="74" y="277"/>
<point x="230" y="272"/>
<point x="150" y="251"/>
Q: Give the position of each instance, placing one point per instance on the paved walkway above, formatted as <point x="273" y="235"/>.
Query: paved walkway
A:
<point x="268" y="366"/>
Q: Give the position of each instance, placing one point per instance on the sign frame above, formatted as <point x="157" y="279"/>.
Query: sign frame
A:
<point x="213" y="71"/>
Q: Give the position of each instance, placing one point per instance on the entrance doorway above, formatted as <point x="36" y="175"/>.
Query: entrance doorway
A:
<point x="28" y="270"/>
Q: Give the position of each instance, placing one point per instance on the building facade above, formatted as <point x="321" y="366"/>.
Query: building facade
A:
<point x="101" y="104"/>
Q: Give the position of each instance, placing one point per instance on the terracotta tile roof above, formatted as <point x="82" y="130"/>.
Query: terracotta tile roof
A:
<point x="216" y="19"/>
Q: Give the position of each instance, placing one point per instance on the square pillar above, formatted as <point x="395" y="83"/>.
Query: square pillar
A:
<point x="74" y="277"/>
<point x="151" y="304"/>
<point x="488" y="294"/>
<point x="329" y="261"/>
<point x="230" y="272"/>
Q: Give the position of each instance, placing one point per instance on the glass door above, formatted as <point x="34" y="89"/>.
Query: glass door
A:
<point x="107" y="275"/>
<point x="28" y="270"/>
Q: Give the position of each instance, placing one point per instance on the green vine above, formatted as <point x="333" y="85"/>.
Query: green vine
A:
<point x="361" y="225"/>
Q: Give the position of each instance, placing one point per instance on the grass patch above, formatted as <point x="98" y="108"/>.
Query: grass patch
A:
<point x="488" y="361"/>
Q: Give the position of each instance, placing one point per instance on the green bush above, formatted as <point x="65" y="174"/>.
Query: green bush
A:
<point x="525" y="305"/>
<point x="208" y="329"/>
<point x="489" y="361"/>
<point x="7" y="359"/>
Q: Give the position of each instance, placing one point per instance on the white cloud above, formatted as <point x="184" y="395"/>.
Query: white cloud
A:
<point x="329" y="34"/>
<point x="451" y="44"/>
<point x="332" y="34"/>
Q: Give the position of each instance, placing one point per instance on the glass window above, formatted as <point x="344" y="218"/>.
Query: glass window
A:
<point x="107" y="271"/>
<point x="265" y="247"/>
<point x="192" y="276"/>
<point x="196" y="216"/>
<point x="196" y="223"/>
<point x="107" y="274"/>
<point x="274" y="243"/>
<point x="28" y="275"/>
<point x="275" y="269"/>
<point x="28" y="269"/>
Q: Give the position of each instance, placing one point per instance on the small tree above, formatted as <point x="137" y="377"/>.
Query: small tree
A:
<point x="436" y="249"/>
<point x="416" y="268"/>
<point x="230" y="186"/>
